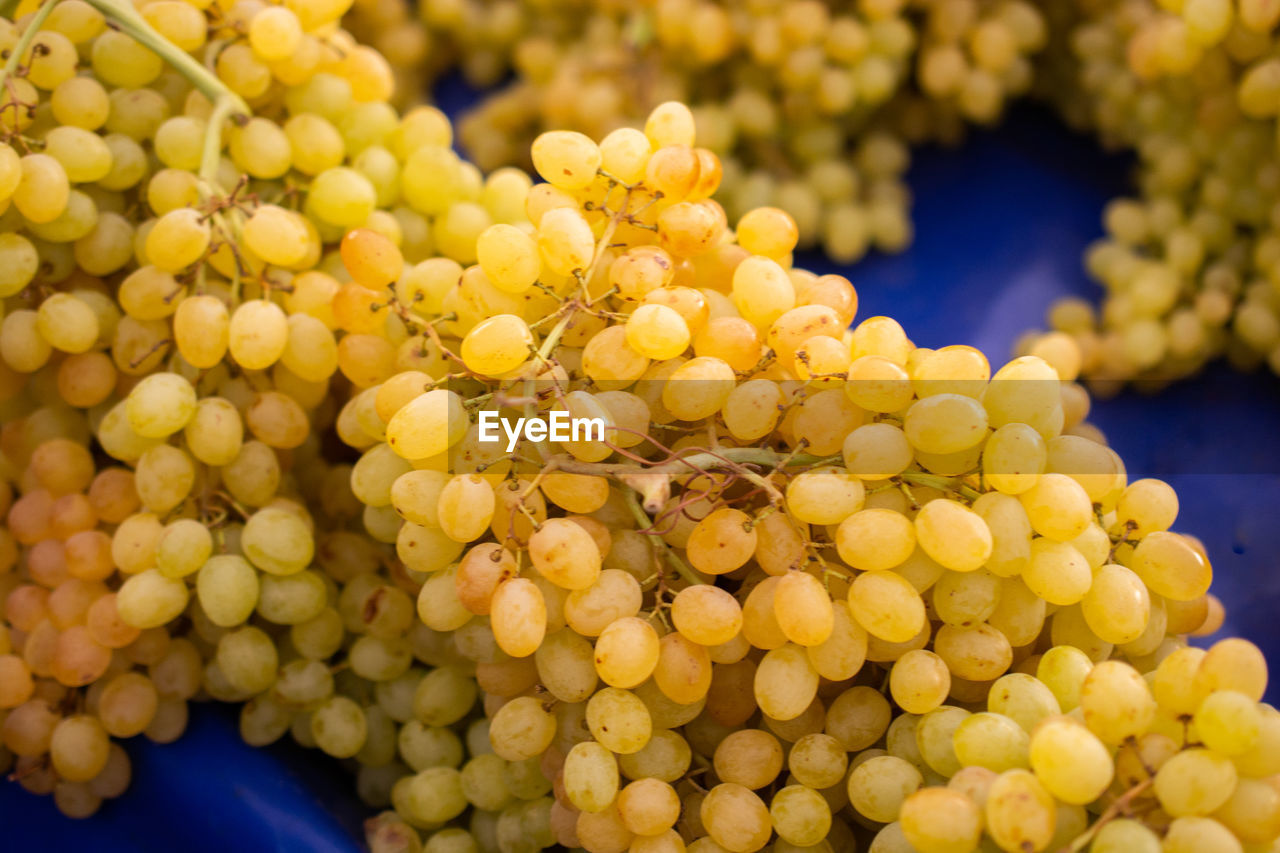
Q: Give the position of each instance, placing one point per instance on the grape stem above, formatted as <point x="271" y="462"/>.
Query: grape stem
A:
<point x="937" y="481"/>
<point x="646" y="523"/>
<point x="130" y="22"/>
<point x="28" y="36"/>
<point x="226" y="103"/>
<point x="224" y="107"/>
<point x="1117" y="808"/>
<point x="653" y="483"/>
<point x="695" y="463"/>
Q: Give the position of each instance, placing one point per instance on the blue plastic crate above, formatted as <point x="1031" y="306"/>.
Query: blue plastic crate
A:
<point x="1001" y="224"/>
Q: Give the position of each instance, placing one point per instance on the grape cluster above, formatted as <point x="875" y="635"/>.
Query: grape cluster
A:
<point x="807" y="103"/>
<point x="808" y="586"/>
<point x="797" y="549"/>
<point x="1188" y="263"/>
<point x="812" y="106"/>
<point x="179" y="323"/>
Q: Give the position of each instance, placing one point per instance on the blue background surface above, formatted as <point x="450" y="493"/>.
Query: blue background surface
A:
<point x="1001" y="223"/>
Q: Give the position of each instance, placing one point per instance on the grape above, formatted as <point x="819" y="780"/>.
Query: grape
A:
<point x="992" y="741"/>
<point x="701" y="585"/>
<point x="626" y="653"/>
<point x="1057" y="572"/>
<point x="1194" y="782"/>
<point x="887" y="606"/>
<point x="1070" y="761"/>
<point x="800" y="815"/>
<point x="857" y="718"/>
<point x="735" y="818"/>
<point x="277" y="541"/>
<point x="803" y="609"/>
<point x="497" y="345"/>
<point x="1169" y="567"/>
<point x="1228" y="722"/>
<point x="648" y="807"/>
<point x="150" y="599"/>
<point x="618" y="720"/>
<point x="591" y="777"/>
<point x="919" y="682"/>
<point x="1232" y="664"/>
<point x="785" y="682"/>
<point x="1125" y="834"/>
<point x="179" y="238"/>
<point x="1116" y="701"/>
<point x="1198" y="833"/>
<point x="79" y="748"/>
<point x="565" y="554"/>
<point x="938" y="820"/>
<point x="521" y="729"/>
<point x="1019" y="812"/>
<point x="844" y="651"/>
<point x="954" y="536"/>
<point x="878" y="787"/>
<point x="874" y="539"/>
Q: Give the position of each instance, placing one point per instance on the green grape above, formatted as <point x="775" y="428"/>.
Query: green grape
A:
<point x="248" y="659"/>
<point x="1228" y="722"/>
<point x="277" y="541"/>
<point x="1125" y="835"/>
<point x="432" y="796"/>
<point x="149" y="599"/>
<point x="160" y="405"/>
<point x="1116" y="701"/>
<point x="1194" y="782"/>
<point x="935" y="738"/>
<point x="919" y="682"/>
<point x="1199" y="833"/>
<point x="619" y="720"/>
<point x="991" y="740"/>
<point x="1070" y="761"/>
<point x="521" y="729"/>
<point x="1063" y="670"/>
<point x="20" y="262"/>
<point x="339" y="727"/>
<point x="1023" y="698"/>
<point x="67" y="323"/>
<point x="1019" y="812"/>
<point x="183" y="548"/>
<point x="483" y="783"/>
<point x="878" y="786"/>
<point x="800" y="815"/>
<point x="443" y="697"/>
<point x="736" y="818"/>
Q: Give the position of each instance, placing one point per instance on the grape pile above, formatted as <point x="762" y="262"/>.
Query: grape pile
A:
<point x="179" y="326"/>
<point x="812" y="107"/>
<point x="1189" y="266"/>
<point x="801" y="549"/>
<point x="808" y="586"/>
<point x="808" y="104"/>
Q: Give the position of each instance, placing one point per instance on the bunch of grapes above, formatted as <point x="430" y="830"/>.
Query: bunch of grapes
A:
<point x="811" y="107"/>
<point x="807" y="585"/>
<point x="1189" y="265"/>
<point x="807" y="103"/>
<point x="810" y="584"/>
<point x="179" y="333"/>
